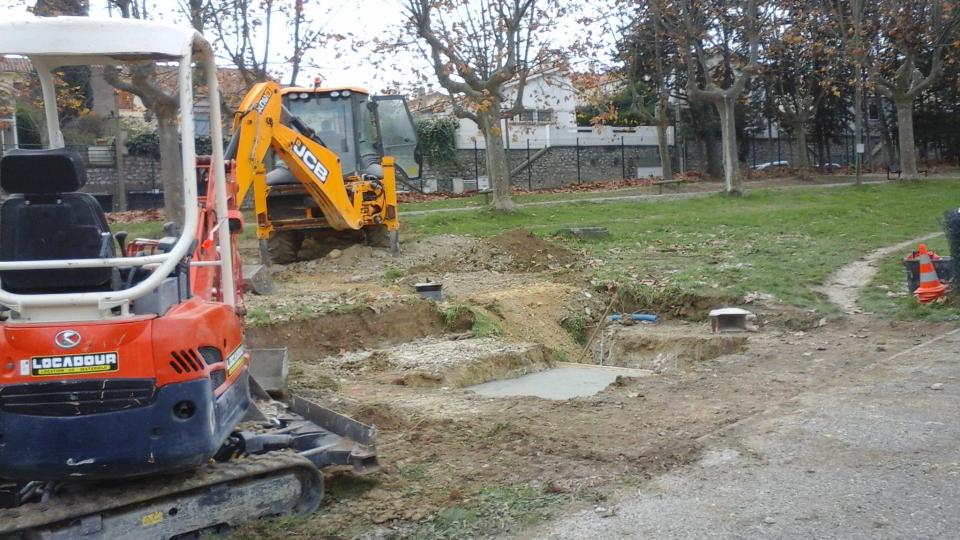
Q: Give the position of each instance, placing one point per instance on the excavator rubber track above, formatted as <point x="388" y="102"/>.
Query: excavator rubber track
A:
<point x="214" y="497"/>
<point x="218" y="496"/>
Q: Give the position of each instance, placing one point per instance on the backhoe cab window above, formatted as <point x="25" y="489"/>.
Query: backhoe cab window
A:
<point x="399" y="134"/>
<point x="332" y="119"/>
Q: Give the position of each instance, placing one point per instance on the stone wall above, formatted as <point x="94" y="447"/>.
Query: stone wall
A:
<point x="141" y="173"/>
<point x="558" y="166"/>
<point x="142" y="182"/>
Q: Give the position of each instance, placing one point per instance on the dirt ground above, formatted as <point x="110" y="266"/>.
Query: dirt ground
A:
<point x="512" y="305"/>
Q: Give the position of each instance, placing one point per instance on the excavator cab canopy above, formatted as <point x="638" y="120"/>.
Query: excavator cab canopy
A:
<point x="54" y="264"/>
<point x="360" y="128"/>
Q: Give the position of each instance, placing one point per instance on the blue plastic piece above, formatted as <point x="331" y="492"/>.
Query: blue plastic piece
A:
<point x="637" y="317"/>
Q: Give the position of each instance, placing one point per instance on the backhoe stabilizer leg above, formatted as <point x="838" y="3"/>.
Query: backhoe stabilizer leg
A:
<point x="394" y="243"/>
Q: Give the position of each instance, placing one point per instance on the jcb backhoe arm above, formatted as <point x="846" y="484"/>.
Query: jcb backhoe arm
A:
<point x="346" y="204"/>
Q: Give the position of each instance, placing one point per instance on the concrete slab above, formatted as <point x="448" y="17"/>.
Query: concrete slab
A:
<point x="566" y="381"/>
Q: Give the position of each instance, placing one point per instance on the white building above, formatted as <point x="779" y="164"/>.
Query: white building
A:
<point x="549" y="119"/>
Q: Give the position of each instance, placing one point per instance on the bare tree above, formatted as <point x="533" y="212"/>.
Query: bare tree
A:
<point x="307" y="34"/>
<point x="720" y="43"/>
<point x="241" y="31"/>
<point x="848" y="19"/>
<point x="482" y="53"/>
<point x="803" y="65"/>
<point x="650" y="58"/>
<point x="913" y="34"/>
<point x="141" y="81"/>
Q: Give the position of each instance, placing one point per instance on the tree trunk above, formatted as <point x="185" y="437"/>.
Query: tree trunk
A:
<point x="885" y="132"/>
<point x="803" y="159"/>
<point x="858" y="121"/>
<point x="728" y="134"/>
<point x="665" y="162"/>
<point x="820" y="152"/>
<point x="496" y="157"/>
<point x="825" y="165"/>
<point x="908" y="148"/>
<point x="171" y="177"/>
<point x="708" y="148"/>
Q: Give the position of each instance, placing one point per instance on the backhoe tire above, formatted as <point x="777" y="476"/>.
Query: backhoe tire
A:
<point x="377" y="236"/>
<point x="283" y="246"/>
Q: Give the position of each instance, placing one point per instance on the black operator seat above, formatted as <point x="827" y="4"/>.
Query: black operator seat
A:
<point x="45" y="218"/>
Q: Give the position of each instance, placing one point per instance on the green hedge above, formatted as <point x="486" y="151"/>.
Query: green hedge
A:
<point x="438" y="139"/>
<point x="148" y="145"/>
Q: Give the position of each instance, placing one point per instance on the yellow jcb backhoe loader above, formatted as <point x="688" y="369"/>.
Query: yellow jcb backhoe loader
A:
<point x="339" y="153"/>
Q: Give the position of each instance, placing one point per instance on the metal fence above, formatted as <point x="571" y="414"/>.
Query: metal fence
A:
<point x="535" y="163"/>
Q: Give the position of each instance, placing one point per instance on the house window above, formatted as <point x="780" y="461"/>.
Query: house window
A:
<point x="537" y="116"/>
<point x="872" y="112"/>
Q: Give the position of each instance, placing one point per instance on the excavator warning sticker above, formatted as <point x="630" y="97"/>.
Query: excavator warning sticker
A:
<point x="74" y="364"/>
<point x="151" y="519"/>
<point x="236" y="359"/>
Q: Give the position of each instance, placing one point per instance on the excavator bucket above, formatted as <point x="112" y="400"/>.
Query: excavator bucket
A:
<point x="257" y="279"/>
<point x="269" y="368"/>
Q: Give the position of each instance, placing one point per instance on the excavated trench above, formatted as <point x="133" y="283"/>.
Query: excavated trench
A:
<point x="412" y="344"/>
<point x="662" y="348"/>
<point x="437" y="362"/>
<point x="356" y="329"/>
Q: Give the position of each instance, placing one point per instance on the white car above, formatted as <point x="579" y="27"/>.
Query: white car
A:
<point x="829" y="167"/>
<point x="770" y="165"/>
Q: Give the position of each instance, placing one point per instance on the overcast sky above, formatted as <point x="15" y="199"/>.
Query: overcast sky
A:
<point x="364" y="19"/>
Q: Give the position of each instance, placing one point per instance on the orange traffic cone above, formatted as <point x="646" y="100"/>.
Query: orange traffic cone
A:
<point x="930" y="287"/>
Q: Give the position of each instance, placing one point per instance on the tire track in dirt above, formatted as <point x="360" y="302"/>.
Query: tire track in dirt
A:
<point x="843" y="286"/>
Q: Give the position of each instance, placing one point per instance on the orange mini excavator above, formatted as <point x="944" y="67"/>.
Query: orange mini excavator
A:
<point x="127" y="407"/>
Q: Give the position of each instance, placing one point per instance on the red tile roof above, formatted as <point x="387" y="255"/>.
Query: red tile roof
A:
<point x="15" y="65"/>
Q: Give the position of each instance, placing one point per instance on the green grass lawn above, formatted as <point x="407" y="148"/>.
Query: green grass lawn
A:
<point x="478" y="201"/>
<point x="781" y="242"/>
<point x="146" y="229"/>
<point x="778" y="241"/>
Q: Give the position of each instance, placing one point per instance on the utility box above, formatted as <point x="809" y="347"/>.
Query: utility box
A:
<point x="729" y="320"/>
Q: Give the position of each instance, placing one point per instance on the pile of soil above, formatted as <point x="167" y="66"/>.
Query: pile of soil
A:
<point x="517" y="250"/>
<point x="529" y="252"/>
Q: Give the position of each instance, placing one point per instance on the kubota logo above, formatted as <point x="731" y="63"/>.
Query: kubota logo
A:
<point x="67" y="339"/>
<point x="310" y="160"/>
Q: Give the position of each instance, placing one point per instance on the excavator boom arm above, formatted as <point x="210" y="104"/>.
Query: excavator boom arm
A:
<point x="257" y="127"/>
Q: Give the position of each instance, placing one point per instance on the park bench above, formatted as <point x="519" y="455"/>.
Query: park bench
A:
<point x="898" y="172"/>
<point x="661" y="183"/>
<point x="486" y="195"/>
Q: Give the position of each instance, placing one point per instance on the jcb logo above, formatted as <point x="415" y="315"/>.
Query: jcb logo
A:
<point x="310" y="160"/>
<point x="264" y="99"/>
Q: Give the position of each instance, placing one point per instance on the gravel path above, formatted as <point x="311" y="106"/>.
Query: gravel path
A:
<point x="874" y="457"/>
<point x="843" y="286"/>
